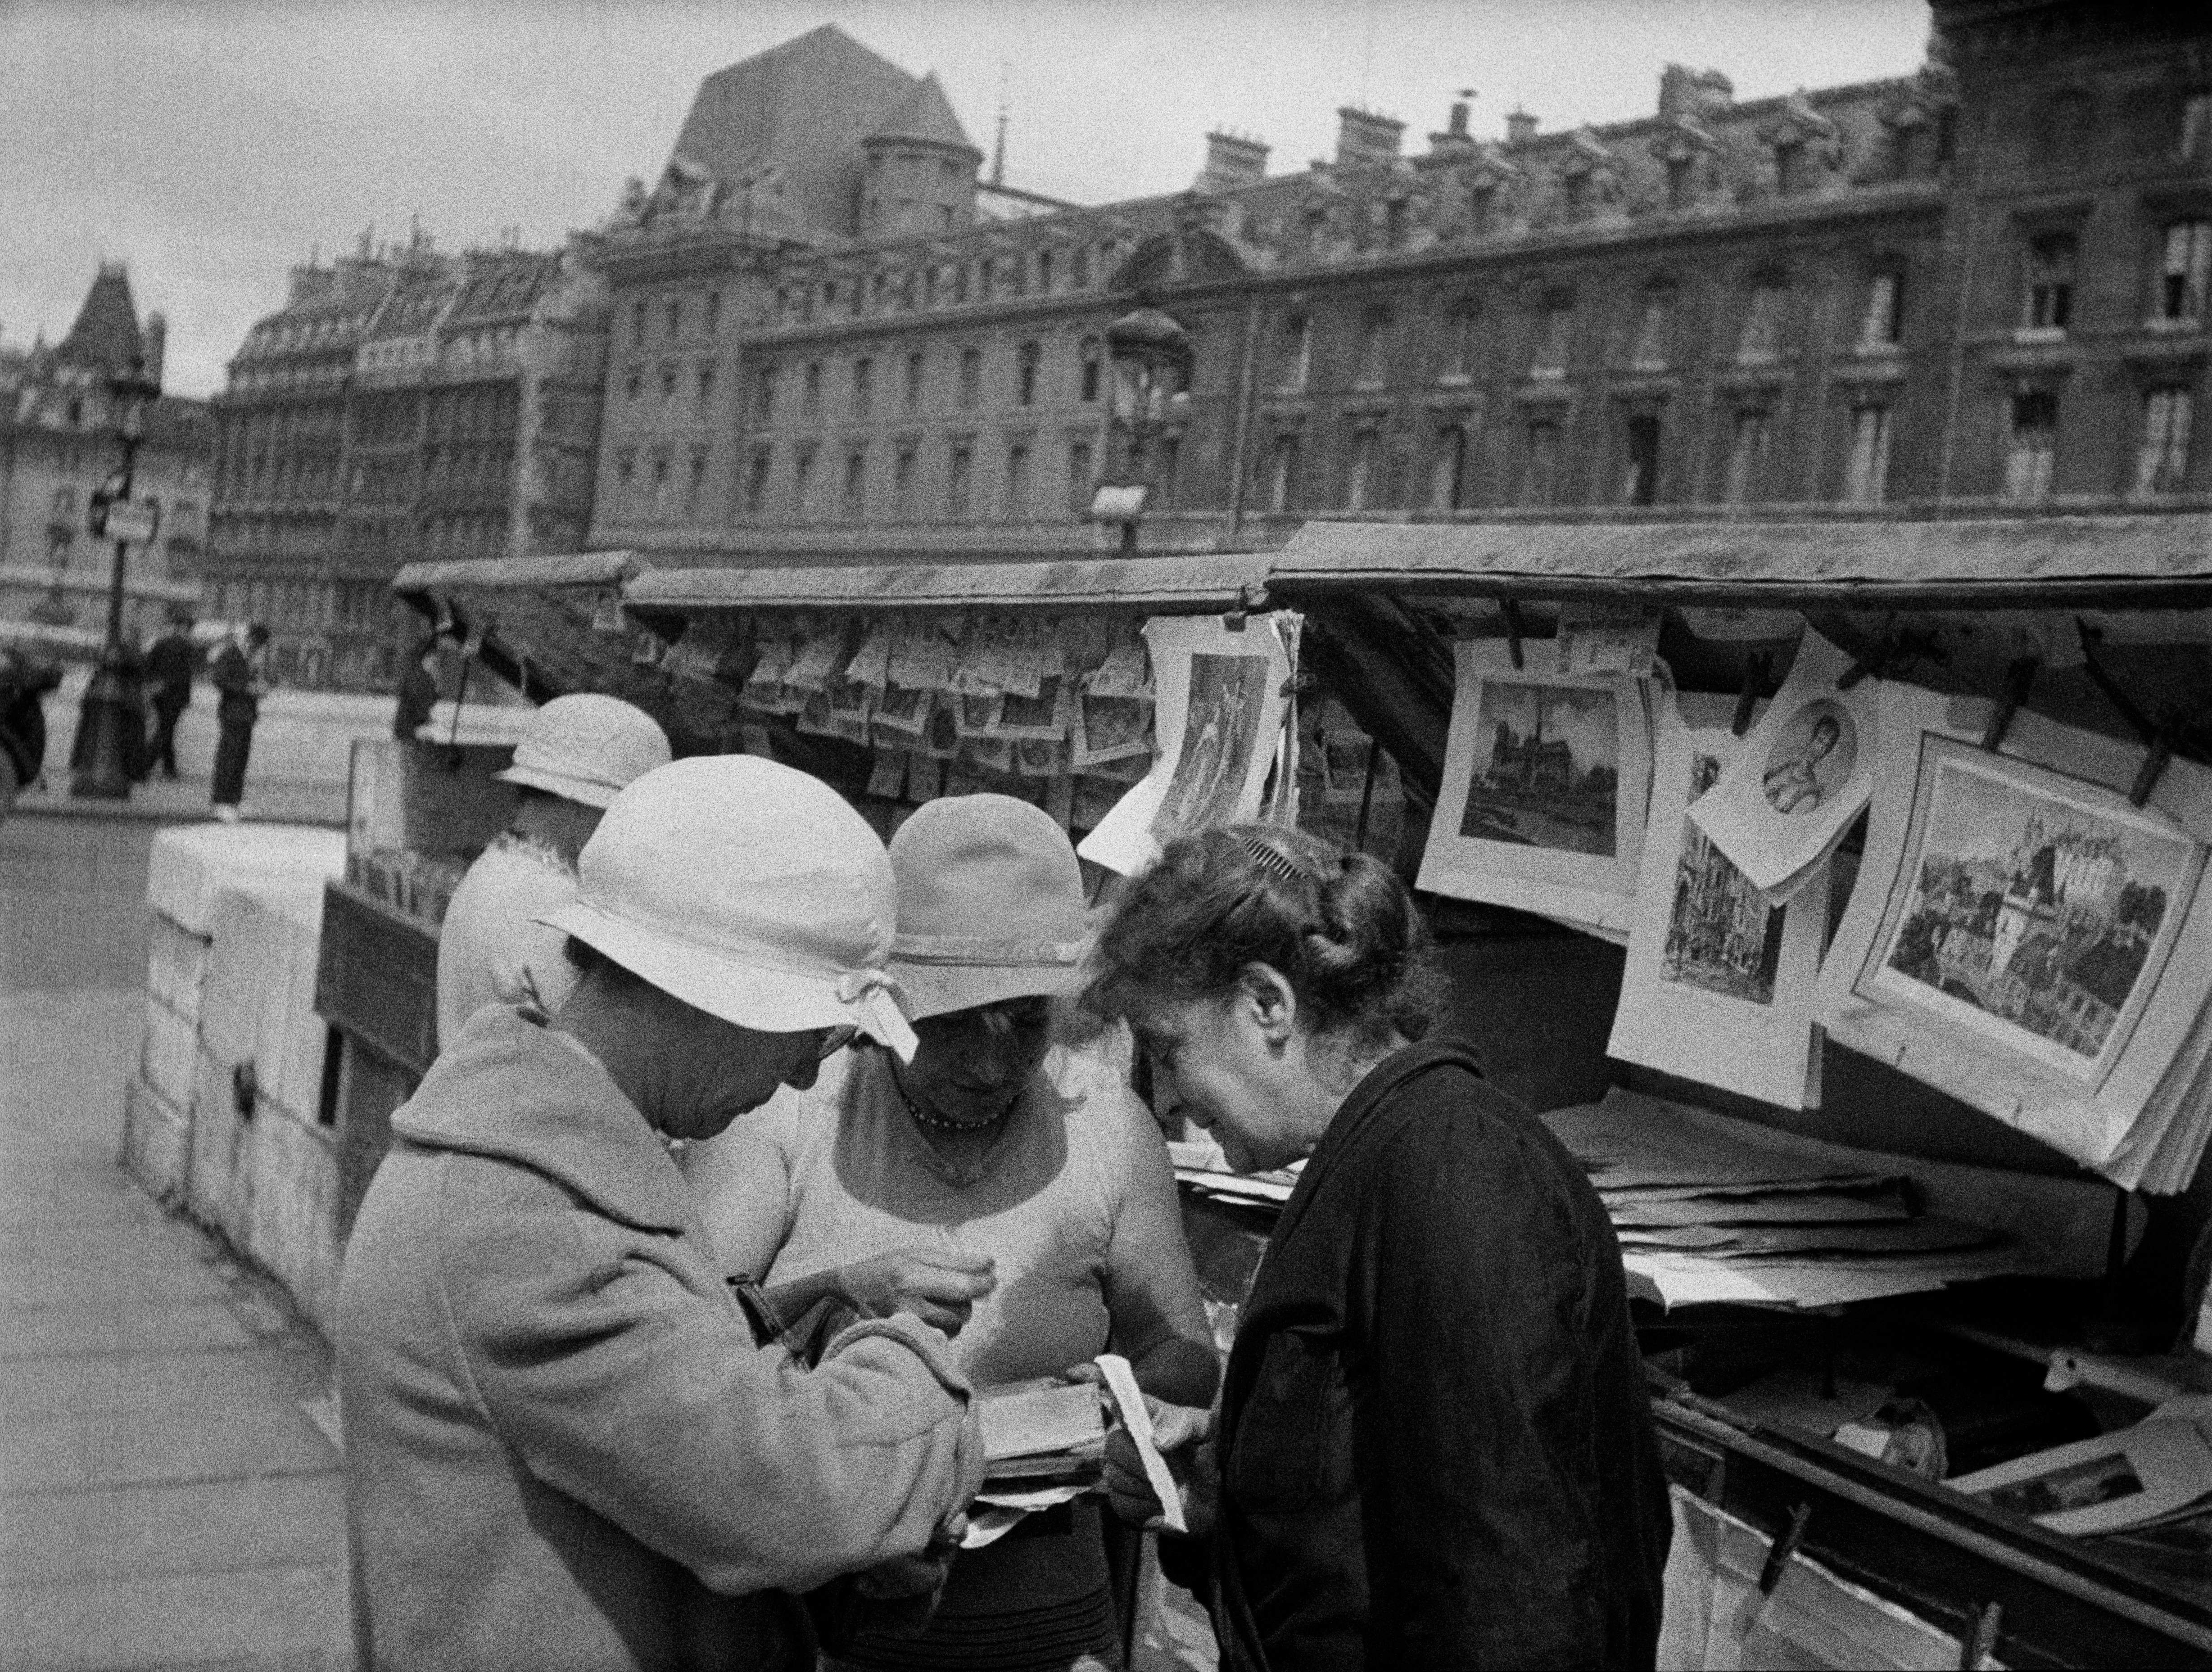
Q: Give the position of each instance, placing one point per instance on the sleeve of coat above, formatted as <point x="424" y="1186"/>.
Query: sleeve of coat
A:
<point x="619" y="1386"/>
<point x="1481" y="1542"/>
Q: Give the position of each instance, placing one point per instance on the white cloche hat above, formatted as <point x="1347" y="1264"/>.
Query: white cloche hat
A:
<point x="749" y="891"/>
<point x="586" y="748"/>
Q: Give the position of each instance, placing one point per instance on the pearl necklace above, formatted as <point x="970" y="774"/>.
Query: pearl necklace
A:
<point x="929" y="1122"/>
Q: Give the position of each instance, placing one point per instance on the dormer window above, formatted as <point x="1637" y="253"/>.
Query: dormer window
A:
<point x="1790" y="168"/>
<point x="1681" y="174"/>
<point x="1044" y="272"/>
<point x="2049" y="302"/>
<point x="2178" y="297"/>
<point x="1482" y="208"/>
<point x="1575" y="195"/>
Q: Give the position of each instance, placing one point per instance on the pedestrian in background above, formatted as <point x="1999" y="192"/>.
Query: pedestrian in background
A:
<point x="1434" y="1447"/>
<point x="417" y="692"/>
<point x="576" y="754"/>
<point x="26" y="676"/>
<point x="170" y="665"/>
<point x="241" y="673"/>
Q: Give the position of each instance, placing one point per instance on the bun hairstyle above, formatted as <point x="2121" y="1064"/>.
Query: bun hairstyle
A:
<point x="1341" y="928"/>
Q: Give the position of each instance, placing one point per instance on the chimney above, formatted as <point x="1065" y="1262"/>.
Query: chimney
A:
<point x="1520" y="128"/>
<point x="1674" y="92"/>
<point x="1692" y="94"/>
<point x="1232" y="160"/>
<point x="308" y="280"/>
<point x="156" y="337"/>
<point x="1364" y="137"/>
<point x="1454" y="139"/>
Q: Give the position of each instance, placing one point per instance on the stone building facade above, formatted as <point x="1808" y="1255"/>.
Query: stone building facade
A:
<point x="59" y="442"/>
<point x="404" y="404"/>
<point x="1982" y="281"/>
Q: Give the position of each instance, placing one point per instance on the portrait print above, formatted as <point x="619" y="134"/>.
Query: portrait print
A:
<point x="1547" y="772"/>
<point x="1221" y="728"/>
<point x="1811" y="760"/>
<point x="1112" y="728"/>
<point x="2033" y="910"/>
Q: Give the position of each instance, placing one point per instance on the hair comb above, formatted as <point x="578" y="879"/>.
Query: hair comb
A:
<point x="1272" y="859"/>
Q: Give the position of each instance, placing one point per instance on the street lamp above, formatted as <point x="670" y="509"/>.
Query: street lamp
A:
<point x="106" y="724"/>
<point x="1151" y="353"/>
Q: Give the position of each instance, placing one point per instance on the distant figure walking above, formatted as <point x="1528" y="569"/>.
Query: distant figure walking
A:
<point x="170" y="665"/>
<point x="26" y="677"/>
<point x="418" y="690"/>
<point x="240" y="672"/>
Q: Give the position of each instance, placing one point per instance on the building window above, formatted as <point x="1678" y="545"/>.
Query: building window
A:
<point x="1283" y="470"/>
<point x="2034" y="436"/>
<point x="1554" y="325"/>
<point x="706" y="390"/>
<point x="637" y="323"/>
<point x="2049" y="303"/>
<point x="633" y="383"/>
<point x="764" y="396"/>
<point x="2179" y="298"/>
<point x="1294" y="352"/>
<point x="1374" y="346"/>
<point x="1026" y="374"/>
<point x="1881" y="325"/>
<point x="714" y="311"/>
<point x="958" y="480"/>
<point x="626" y="466"/>
<point x="1759" y="343"/>
<point x="1044" y="272"/>
<point x="1866" y="473"/>
<point x="1575" y="195"/>
<point x="675" y="318"/>
<point x="1639" y="476"/>
<point x="1747" y="459"/>
<point x="1482" y="208"/>
<point x="1017" y="480"/>
<point x="1681" y="178"/>
<point x="1459" y="343"/>
<point x="2162" y="456"/>
<point x="856" y="483"/>
<point x="757" y="482"/>
<point x="802" y="482"/>
<point x="971" y="376"/>
<point x="959" y="277"/>
<point x="863" y="386"/>
<point x="1540" y="467"/>
<point x="1359" y="471"/>
<point x="660" y="462"/>
<point x="2196" y="139"/>
<point x="1448" y="468"/>
<point x="902" y="483"/>
<point x="697" y="483"/>
<point x="1655" y="330"/>
<point x="1789" y="177"/>
<point x="913" y="373"/>
<point x="810" y="398"/>
<point x="1169" y="474"/>
<point x="1090" y="364"/>
<point x="667" y="385"/>
<point x="1079" y="477"/>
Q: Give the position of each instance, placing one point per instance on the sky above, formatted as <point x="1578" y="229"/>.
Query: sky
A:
<point x="212" y="145"/>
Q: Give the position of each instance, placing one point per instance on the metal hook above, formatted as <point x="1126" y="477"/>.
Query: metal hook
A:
<point x="2018" y="679"/>
<point x="1512" y="611"/>
<point x="1758" y="668"/>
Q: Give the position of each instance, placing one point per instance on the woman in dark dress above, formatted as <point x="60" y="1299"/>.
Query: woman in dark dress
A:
<point x="1433" y="1446"/>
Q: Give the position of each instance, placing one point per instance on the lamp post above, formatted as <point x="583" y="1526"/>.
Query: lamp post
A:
<point x="1151" y="354"/>
<point x="109" y="713"/>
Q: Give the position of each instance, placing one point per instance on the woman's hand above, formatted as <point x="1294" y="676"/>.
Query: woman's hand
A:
<point x="1184" y="1435"/>
<point x="940" y="1287"/>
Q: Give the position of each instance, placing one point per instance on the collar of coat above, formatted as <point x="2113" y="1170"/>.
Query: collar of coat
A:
<point x="507" y="1087"/>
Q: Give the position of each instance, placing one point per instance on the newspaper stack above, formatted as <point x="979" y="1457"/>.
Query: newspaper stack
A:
<point x="1709" y="1209"/>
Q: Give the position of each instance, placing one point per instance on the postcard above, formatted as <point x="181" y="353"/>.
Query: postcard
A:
<point x="1222" y="696"/>
<point x="1547" y="782"/>
<point x="924" y="655"/>
<point x="871" y="663"/>
<point x="1804" y="772"/>
<point x="1043" y="717"/>
<point x="2023" y="937"/>
<point x="2133" y="1476"/>
<point x="1112" y="728"/>
<point x="902" y="710"/>
<point x="821" y="654"/>
<point x="1719" y="986"/>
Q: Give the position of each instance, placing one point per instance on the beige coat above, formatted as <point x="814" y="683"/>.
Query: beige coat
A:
<point x="563" y="1447"/>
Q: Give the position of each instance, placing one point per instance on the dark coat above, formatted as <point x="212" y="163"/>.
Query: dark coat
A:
<point x="1436" y="1443"/>
<point x="170" y="665"/>
<point x="239" y="703"/>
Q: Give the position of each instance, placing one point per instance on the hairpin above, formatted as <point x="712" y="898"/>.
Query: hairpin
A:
<point x="1272" y="859"/>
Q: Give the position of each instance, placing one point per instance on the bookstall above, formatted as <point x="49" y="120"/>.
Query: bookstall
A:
<point x="1836" y="887"/>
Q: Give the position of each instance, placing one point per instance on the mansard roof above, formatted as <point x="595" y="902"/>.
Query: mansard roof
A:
<point x="802" y="109"/>
<point x="105" y="337"/>
<point x="927" y="117"/>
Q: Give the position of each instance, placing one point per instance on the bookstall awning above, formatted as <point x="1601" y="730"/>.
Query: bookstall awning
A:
<point x="1157" y="584"/>
<point x="2032" y="562"/>
<point x="573" y="569"/>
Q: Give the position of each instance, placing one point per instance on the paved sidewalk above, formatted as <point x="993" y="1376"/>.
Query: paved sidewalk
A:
<point x="170" y="1493"/>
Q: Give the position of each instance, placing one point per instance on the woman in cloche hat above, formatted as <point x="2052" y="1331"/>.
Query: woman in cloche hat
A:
<point x="1010" y="1190"/>
<point x="564" y="1444"/>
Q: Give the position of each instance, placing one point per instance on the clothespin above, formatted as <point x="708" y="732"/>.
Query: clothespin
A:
<point x="1248" y="598"/>
<point x="1512" y="611"/>
<point x="1895" y="654"/>
<point x="1758" y="668"/>
<point x="2155" y="758"/>
<point x="1981" y="1643"/>
<point x="1777" y="1564"/>
<point x="2018" y="679"/>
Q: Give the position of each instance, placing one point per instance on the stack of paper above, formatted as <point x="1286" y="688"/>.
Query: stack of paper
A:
<point x="1040" y="1431"/>
<point x="1708" y="1209"/>
<point x="1200" y="1165"/>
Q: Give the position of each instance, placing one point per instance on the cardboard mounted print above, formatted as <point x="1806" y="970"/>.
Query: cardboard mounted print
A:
<point x="1719" y="986"/>
<point x="1221" y="695"/>
<point x="1802" y="776"/>
<point x="1546" y="780"/>
<point x="2023" y="937"/>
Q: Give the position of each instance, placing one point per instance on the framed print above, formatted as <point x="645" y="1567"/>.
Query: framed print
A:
<point x="1546" y="780"/>
<point x="1720" y="985"/>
